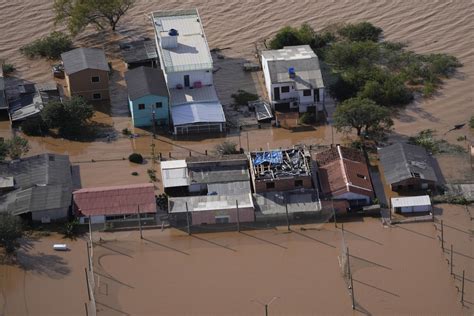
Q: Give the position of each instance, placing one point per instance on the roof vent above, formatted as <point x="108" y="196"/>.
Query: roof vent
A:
<point x="291" y="72"/>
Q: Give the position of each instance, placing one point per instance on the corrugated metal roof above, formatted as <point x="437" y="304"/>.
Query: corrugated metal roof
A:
<point x="189" y="113"/>
<point x="188" y="95"/>
<point x="408" y="201"/>
<point x="192" y="51"/>
<point x="125" y="199"/>
<point x="42" y="183"/>
<point x="209" y="203"/>
<point x="139" y="51"/>
<point x="174" y="173"/>
<point x="215" y="174"/>
<point x="302" y="59"/>
<point x="143" y="81"/>
<point x="402" y="161"/>
<point x="230" y="188"/>
<point x="84" y="58"/>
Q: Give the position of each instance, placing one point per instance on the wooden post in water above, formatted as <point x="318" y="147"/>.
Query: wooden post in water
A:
<point x="87" y="311"/>
<point x="442" y="235"/>
<point x="140" y="222"/>
<point x="287" y="217"/>
<point x="350" y="277"/>
<point x="238" y="215"/>
<point x="187" y="219"/>
<point x="333" y="212"/>
<point x="462" y="289"/>
<point x="451" y="262"/>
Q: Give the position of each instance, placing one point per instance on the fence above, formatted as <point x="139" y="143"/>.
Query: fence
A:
<point x="460" y="264"/>
<point x="90" y="306"/>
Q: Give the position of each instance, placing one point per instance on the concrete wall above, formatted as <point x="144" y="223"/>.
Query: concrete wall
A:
<point x="53" y="215"/>
<point x="283" y="184"/>
<point x="80" y="83"/>
<point x="144" y="117"/>
<point x="209" y="217"/>
<point x="100" y="219"/>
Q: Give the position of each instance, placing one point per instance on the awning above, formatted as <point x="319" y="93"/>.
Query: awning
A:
<point x="205" y="112"/>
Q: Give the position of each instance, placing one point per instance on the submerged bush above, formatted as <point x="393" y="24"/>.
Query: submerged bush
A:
<point x="8" y="69"/>
<point x="135" y="158"/>
<point x="51" y="46"/>
<point x="363" y="31"/>
<point x="242" y="97"/>
<point x="34" y="126"/>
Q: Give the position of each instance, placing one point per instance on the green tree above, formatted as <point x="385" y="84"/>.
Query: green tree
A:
<point x="34" y="126"/>
<point x="364" y="115"/>
<point x="17" y="147"/>
<point x="78" y="14"/>
<point x="69" y="117"/>
<point x="11" y="229"/>
<point x="226" y="148"/>
<point x="3" y="149"/>
<point x="51" y="46"/>
<point x="304" y="35"/>
<point x="363" y="31"/>
<point x="346" y="55"/>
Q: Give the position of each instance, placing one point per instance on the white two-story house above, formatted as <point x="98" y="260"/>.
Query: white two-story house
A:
<point x="293" y="79"/>
<point x="187" y="66"/>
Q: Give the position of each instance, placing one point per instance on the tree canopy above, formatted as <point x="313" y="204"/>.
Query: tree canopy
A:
<point x="51" y="46"/>
<point x="13" y="148"/>
<point x="11" y="229"/>
<point x="363" y="115"/>
<point x="78" y="14"/>
<point x="69" y="117"/>
<point x="304" y="35"/>
<point x="226" y="148"/>
<point x="363" y="31"/>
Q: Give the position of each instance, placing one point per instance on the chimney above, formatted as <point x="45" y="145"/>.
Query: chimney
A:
<point x="291" y="72"/>
<point x="169" y="39"/>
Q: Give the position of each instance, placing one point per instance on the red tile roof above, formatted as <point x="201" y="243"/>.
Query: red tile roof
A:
<point x="115" y="200"/>
<point x="343" y="170"/>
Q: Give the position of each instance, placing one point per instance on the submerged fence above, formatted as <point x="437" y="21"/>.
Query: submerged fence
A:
<point x="460" y="264"/>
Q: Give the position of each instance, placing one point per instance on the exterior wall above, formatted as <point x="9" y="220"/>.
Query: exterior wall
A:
<point x="209" y="217"/>
<point x="100" y="219"/>
<point x="144" y="117"/>
<point x="197" y="187"/>
<point x="352" y="196"/>
<point x="415" y="182"/>
<point x="413" y="209"/>
<point x="283" y="184"/>
<point x="80" y="83"/>
<point x="55" y="214"/>
<point x="266" y="75"/>
<point x="175" y="78"/>
<point x="198" y="128"/>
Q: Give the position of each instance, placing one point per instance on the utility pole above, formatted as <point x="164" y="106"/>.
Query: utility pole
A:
<point x="333" y="212"/>
<point x="154" y="122"/>
<point x="265" y="305"/>
<point x="442" y="235"/>
<point x="462" y="289"/>
<point x="187" y="219"/>
<point x="287" y="217"/>
<point x="248" y="145"/>
<point x="451" y="259"/>
<point x="350" y="277"/>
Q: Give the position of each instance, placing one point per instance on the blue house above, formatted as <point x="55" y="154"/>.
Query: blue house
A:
<point x="147" y="94"/>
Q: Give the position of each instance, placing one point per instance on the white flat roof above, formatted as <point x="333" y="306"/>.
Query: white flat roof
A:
<point x="172" y="164"/>
<point x="187" y="95"/>
<point x="192" y="52"/>
<point x="210" y="202"/>
<point x="290" y="53"/>
<point x="411" y="201"/>
<point x="204" y="112"/>
<point x="174" y="173"/>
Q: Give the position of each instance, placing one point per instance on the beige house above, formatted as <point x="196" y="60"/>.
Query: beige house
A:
<point x="87" y="73"/>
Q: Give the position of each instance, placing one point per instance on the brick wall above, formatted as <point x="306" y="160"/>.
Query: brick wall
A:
<point x="283" y="184"/>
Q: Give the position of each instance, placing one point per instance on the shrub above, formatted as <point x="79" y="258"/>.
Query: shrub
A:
<point x="471" y="122"/>
<point x="152" y="174"/>
<point x="34" y="126"/>
<point x="71" y="229"/>
<point x="363" y="31"/>
<point x="11" y="229"/>
<point x="134" y="173"/>
<point x="242" y="97"/>
<point x="51" y="46"/>
<point x="135" y="158"/>
<point x="226" y="148"/>
<point x="8" y="69"/>
<point x="308" y="118"/>
<point x="304" y="35"/>
<point x="126" y="132"/>
<point x="425" y="139"/>
<point x="461" y="138"/>
<point x="429" y="89"/>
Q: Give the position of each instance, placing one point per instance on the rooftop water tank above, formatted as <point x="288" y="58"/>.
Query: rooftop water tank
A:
<point x="291" y="72"/>
<point x="173" y="32"/>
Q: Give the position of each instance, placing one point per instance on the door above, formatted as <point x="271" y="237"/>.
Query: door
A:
<point x="186" y="80"/>
<point x="316" y="95"/>
<point x="276" y="94"/>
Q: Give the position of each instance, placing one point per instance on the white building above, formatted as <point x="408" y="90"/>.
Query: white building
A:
<point x="411" y="204"/>
<point x="187" y="65"/>
<point x="293" y="78"/>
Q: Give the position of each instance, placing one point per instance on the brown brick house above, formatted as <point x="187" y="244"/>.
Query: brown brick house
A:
<point x="87" y="73"/>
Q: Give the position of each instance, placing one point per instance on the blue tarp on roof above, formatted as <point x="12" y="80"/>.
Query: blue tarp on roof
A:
<point x="273" y="157"/>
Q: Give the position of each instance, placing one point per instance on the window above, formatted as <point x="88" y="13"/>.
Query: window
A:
<point x="285" y="89"/>
<point x="141" y="106"/>
<point x="95" y="79"/>
<point x="270" y="185"/>
<point x="298" y="183"/>
<point x="307" y="92"/>
<point x="361" y="176"/>
<point x="415" y="174"/>
<point x="96" y="96"/>
<point x="158" y="105"/>
<point x="222" y="219"/>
